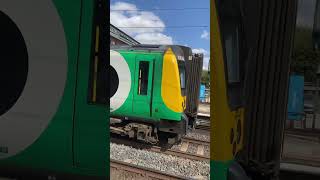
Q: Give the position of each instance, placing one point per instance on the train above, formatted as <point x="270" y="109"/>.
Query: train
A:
<point x="148" y="91"/>
<point x="249" y="73"/>
<point x="53" y="96"/>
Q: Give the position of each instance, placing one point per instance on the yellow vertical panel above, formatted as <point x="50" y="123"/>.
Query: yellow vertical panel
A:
<point x="170" y="84"/>
<point x="222" y="119"/>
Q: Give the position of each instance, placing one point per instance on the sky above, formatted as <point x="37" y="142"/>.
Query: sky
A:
<point x="306" y="10"/>
<point x="160" y="22"/>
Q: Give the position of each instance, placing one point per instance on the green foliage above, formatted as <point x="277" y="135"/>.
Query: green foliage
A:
<point x="305" y="60"/>
<point x="205" y="78"/>
<point x="303" y="38"/>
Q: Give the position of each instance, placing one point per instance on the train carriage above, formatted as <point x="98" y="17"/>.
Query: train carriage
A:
<point x="148" y="90"/>
<point x="53" y="88"/>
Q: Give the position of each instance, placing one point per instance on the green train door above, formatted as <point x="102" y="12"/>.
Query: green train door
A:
<point x="90" y="147"/>
<point x="142" y="97"/>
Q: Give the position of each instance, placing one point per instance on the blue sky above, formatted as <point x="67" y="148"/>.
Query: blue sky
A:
<point x="195" y="37"/>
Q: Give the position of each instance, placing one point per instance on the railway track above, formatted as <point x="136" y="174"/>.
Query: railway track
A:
<point x="203" y="121"/>
<point x="301" y="159"/>
<point x="189" y="148"/>
<point x="302" y="132"/>
<point x="122" y="170"/>
<point x="198" y="147"/>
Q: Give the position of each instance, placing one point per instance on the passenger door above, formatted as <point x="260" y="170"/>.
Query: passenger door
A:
<point x="142" y="93"/>
<point x="90" y="145"/>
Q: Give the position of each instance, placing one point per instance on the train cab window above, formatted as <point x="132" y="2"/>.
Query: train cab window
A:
<point x="143" y="77"/>
<point x="232" y="59"/>
<point x="182" y="72"/>
<point x="232" y="54"/>
<point x="231" y="27"/>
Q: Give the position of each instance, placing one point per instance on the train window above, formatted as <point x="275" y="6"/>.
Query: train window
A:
<point x="232" y="40"/>
<point x="316" y="27"/>
<point x="305" y="57"/>
<point x="98" y="82"/>
<point x="232" y="54"/>
<point x="182" y="71"/>
<point x="143" y="77"/>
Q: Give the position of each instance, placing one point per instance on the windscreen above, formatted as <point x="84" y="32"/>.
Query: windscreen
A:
<point x="182" y="55"/>
<point x="182" y="72"/>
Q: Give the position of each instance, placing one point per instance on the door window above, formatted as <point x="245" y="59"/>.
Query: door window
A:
<point x="143" y="77"/>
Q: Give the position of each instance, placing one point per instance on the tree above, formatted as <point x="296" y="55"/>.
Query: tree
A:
<point x="306" y="62"/>
<point x="305" y="59"/>
<point x="205" y="78"/>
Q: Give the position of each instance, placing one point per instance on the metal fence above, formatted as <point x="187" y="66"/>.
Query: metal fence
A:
<point x="311" y="115"/>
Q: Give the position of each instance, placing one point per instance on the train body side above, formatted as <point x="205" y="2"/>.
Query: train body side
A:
<point x="53" y="129"/>
<point x="161" y="98"/>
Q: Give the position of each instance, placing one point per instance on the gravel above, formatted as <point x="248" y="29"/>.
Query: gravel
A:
<point x="192" y="148"/>
<point x="206" y="151"/>
<point x="198" y="136"/>
<point x="167" y="163"/>
<point x="176" y="146"/>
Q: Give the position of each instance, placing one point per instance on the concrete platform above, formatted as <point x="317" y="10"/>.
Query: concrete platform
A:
<point x="204" y="108"/>
<point x="300" y="168"/>
<point x="295" y="145"/>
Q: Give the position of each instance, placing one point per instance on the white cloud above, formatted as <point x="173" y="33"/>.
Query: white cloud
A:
<point x="150" y="38"/>
<point x="123" y="6"/>
<point x="200" y="50"/>
<point x="139" y="19"/>
<point x="205" y="35"/>
<point x="206" y="57"/>
<point x="206" y="62"/>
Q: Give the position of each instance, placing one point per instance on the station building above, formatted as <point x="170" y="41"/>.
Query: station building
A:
<point x="118" y="37"/>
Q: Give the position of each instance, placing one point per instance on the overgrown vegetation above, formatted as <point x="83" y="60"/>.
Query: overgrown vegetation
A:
<point x="305" y="60"/>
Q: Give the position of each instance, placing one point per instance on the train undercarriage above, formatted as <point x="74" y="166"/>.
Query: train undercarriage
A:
<point x="160" y="132"/>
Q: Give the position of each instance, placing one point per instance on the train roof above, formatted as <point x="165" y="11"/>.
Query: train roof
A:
<point x="145" y="47"/>
<point x="182" y="52"/>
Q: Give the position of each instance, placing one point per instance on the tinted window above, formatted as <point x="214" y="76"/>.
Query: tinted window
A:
<point x="182" y="71"/>
<point x="143" y="78"/>
<point x="232" y="55"/>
